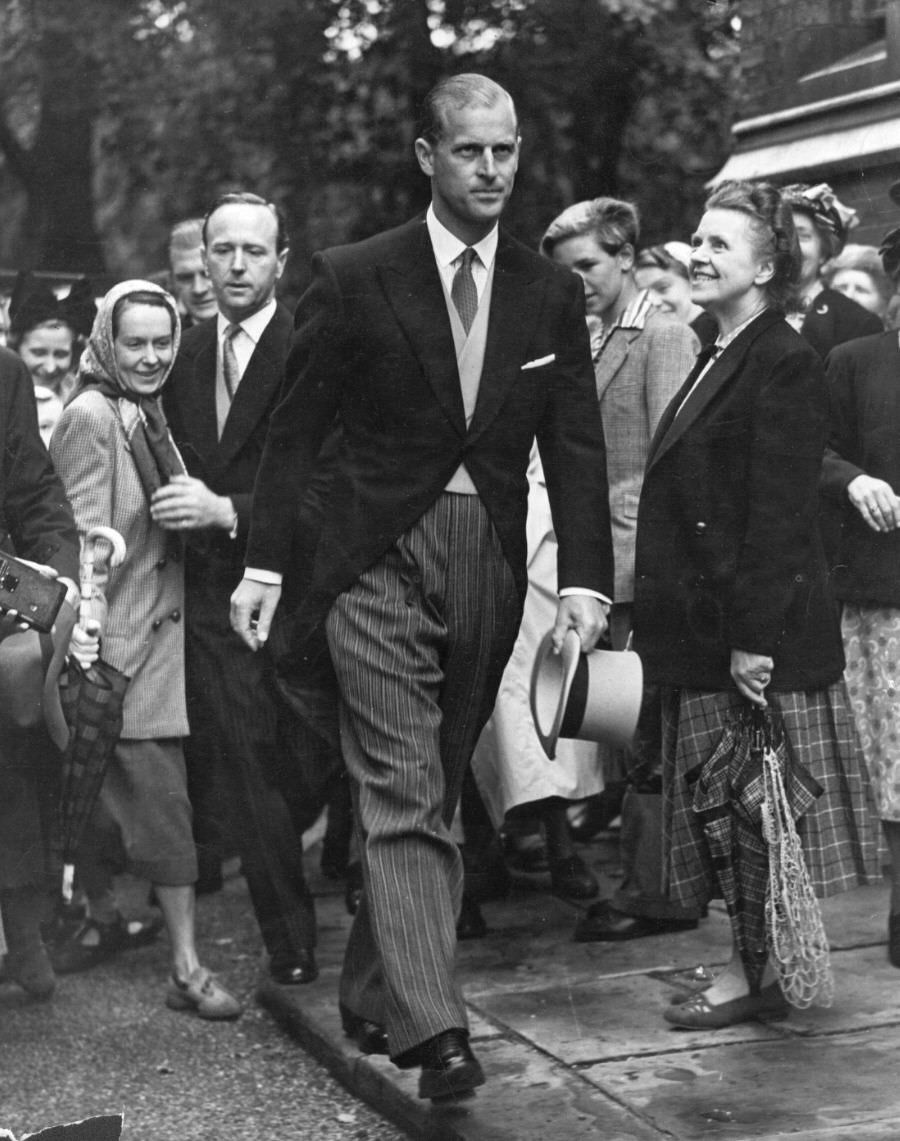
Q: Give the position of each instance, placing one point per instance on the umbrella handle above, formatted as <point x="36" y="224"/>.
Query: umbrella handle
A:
<point x="88" y="555"/>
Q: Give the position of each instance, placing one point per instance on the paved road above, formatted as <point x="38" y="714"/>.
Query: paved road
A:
<point x="107" y="1043"/>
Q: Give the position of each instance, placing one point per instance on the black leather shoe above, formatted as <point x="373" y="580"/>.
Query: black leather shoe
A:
<point x="471" y="923"/>
<point x="369" y="1036"/>
<point x="449" y="1068"/>
<point x="294" y="971"/>
<point x="602" y="923"/>
<point x="571" y="878"/>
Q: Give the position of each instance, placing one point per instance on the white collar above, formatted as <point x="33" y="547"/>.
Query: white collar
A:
<point x="724" y="339"/>
<point x="254" y="325"/>
<point x="447" y="247"/>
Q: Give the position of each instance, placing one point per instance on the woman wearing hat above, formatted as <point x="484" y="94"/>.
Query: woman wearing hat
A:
<point x="819" y="313"/>
<point x="112" y="449"/>
<point x="664" y="271"/>
<point x="46" y="332"/>
<point x="862" y="474"/>
<point x="731" y="601"/>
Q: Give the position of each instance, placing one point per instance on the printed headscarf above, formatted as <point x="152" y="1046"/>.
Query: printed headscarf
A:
<point x="830" y="216"/>
<point x="141" y="415"/>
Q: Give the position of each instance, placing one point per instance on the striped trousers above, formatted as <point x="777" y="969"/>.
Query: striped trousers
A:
<point x="419" y="643"/>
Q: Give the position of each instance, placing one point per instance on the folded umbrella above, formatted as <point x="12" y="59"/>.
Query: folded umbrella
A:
<point x="730" y="795"/>
<point x="92" y="699"/>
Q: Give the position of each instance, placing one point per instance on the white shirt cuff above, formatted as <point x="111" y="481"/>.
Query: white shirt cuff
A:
<point x="567" y="591"/>
<point x="267" y="577"/>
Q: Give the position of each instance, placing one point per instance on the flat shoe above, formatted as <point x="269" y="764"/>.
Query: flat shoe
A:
<point x="697" y="1013"/>
<point x="894" y="939"/>
<point x="93" y="943"/>
<point x="602" y="923"/>
<point x="203" y="993"/>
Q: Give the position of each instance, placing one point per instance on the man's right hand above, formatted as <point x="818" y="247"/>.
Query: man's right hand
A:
<point x="253" y="606"/>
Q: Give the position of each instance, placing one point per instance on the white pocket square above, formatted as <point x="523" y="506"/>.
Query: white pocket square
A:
<point x="539" y="361"/>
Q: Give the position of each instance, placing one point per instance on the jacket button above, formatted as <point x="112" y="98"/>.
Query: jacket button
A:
<point x="700" y="527"/>
<point x="161" y="564"/>
<point x="157" y="622"/>
<point x="175" y="615"/>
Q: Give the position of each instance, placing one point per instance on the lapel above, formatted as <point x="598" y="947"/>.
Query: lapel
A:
<point x="413" y="287"/>
<point x="261" y="379"/>
<point x="199" y="394"/>
<point x="516" y="302"/>
<point x="412" y="284"/>
<point x="672" y="427"/>
<point x="612" y="357"/>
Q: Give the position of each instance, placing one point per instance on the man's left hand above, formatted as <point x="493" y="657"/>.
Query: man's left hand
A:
<point x="185" y="503"/>
<point x="583" y="614"/>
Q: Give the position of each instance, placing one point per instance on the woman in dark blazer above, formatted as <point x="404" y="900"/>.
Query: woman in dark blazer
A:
<point x="860" y="473"/>
<point x="731" y="600"/>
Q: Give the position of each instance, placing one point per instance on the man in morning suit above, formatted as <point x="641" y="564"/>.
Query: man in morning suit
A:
<point x="442" y="348"/>
<point x="218" y="400"/>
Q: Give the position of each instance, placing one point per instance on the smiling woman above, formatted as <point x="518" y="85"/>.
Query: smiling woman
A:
<point x="113" y="450"/>
<point x="732" y="602"/>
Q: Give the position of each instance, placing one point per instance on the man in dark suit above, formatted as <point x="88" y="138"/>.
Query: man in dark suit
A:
<point x="35" y="523"/>
<point x="218" y="400"/>
<point x="442" y="348"/>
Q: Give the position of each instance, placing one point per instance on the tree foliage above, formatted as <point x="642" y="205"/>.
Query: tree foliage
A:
<point x="117" y="117"/>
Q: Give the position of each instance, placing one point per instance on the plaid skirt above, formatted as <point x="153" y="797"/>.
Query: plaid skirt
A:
<point x="839" y="834"/>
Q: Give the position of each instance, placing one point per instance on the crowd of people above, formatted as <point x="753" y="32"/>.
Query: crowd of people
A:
<point x="348" y="529"/>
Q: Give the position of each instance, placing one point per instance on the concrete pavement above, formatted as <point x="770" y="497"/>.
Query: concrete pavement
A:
<point x="574" y="1045"/>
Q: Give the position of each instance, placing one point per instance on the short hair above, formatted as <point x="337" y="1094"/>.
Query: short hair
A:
<point x="866" y="260"/>
<point x="674" y="256"/>
<point x="468" y="89"/>
<point x="612" y="222"/>
<point x="772" y="224"/>
<point x="186" y="235"/>
<point x="246" y="198"/>
<point x="142" y="297"/>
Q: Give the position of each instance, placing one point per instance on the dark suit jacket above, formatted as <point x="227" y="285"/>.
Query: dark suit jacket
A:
<point x="35" y="517"/>
<point x="728" y="551"/>
<point x="864" y="379"/>
<point x="834" y="319"/>
<point x="227" y="466"/>
<point x="373" y="349"/>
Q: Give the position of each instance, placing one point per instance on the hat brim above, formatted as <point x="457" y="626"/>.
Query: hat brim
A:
<point x="551" y="683"/>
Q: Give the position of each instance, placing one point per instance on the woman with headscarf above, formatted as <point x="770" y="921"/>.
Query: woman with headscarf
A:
<point x="731" y="597"/>
<point x="112" y="449"/>
<point x="819" y="313"/>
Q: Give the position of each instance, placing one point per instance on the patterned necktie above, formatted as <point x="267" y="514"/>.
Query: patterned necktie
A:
<point x="463" y="291"/>
<point x="231" y="374"/>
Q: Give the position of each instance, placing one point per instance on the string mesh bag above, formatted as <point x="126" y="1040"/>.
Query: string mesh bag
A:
<point x="795" y="934"/>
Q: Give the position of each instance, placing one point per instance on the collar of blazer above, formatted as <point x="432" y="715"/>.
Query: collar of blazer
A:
<point x="671" y="427"/>
<point x="411" y="281"/>
<point x="254" y="395"/>
<point x="613" y="355"/>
